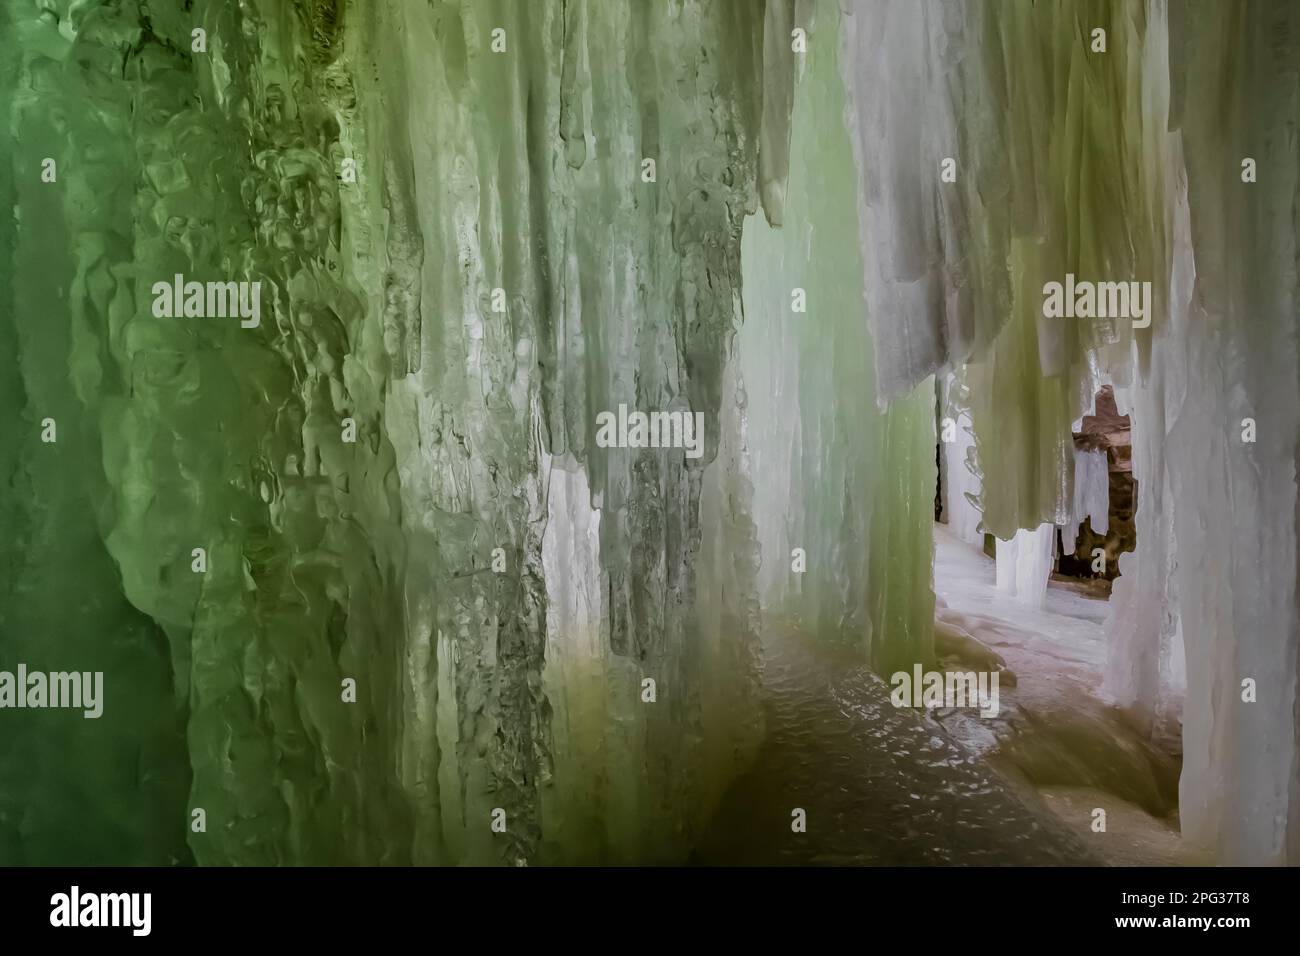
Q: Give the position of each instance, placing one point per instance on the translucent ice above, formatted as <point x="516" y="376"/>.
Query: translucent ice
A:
<point x="1091" y="496"/>
<point x="961" y="476"/>
<point x="475" y="226"/>
<point x="843" y="492"/>
<point x="1024" y="564"/>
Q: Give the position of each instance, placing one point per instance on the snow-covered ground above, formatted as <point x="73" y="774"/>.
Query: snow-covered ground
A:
<point x="1062" y="644"/>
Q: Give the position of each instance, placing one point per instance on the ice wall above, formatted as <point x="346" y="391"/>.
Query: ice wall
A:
<point x="843" y="492"/>
<point x="72" y="791"/>
<point x="476" y="225"/>
<point x="1208" y="600"/>
<point x="207" y="435"/>
<point x="1235" y="75"/>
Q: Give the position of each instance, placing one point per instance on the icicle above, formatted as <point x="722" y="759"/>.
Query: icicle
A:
<point x="914" y="106"/>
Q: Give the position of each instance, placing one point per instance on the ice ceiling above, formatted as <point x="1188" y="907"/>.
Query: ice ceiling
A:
<point x="478" y="225"/>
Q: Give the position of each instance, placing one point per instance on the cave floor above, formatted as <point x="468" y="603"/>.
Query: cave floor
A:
<point x="882" y="785"/>
<point x="1058" y="736"/>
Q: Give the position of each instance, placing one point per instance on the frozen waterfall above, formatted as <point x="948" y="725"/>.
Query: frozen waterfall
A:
<point x="613" y="361"/>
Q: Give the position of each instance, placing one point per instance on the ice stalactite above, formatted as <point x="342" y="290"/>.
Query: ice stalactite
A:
<point x="968" y="214"/>
<point x="842" y="492"/>
<point x="917" y="110"/>
<point x="960" y="252"/>
<point x="785" y="44"/>
<point x="1038" y="160"/>
<point x="1087" y="219"/>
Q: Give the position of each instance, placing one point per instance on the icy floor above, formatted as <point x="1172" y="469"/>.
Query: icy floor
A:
<point x="1057" y="732"/>
<point x="1059" y="649"/>
<point x="882" y="785"/>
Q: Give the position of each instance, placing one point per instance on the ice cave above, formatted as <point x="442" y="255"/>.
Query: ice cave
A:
<point x="527" y="432"/>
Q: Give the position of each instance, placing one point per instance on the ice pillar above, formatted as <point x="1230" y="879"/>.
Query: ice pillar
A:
<point x="1024" y="563"/>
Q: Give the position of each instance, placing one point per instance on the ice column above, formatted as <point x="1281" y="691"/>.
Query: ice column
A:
<point x="1235" y="76"/>
<point x="1024" y="564"/>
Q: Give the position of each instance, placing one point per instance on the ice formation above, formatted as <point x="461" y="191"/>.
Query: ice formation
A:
<point x="1213" y="601"/>
<point x="465" y="254"/>
<point x="961" y="475"/>
<point x="476" y="227"/>
<point x="963" y="262"/>
<point x="1226" y="355"/>
<point x="843" y="492"/>
<point x="1091" y="496"/>
<point x="1025" y="562"/>
<point x="1139" y="164"/>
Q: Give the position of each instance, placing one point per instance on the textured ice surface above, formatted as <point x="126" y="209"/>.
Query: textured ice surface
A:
<point x="1209" y="599"/>
<point x="1232" y="355"/>
<point x="497" y="273"/>
<point x="849" y="486"/>
<point x="911" y="70"/>
<point x="959" y="266"/>
<point x="1024" y="564"/>
<point x="1120" y="166"/>
<point x="961" y="475"/>
<point x="500" y="271"/>
<point x="1091" y="496"/>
